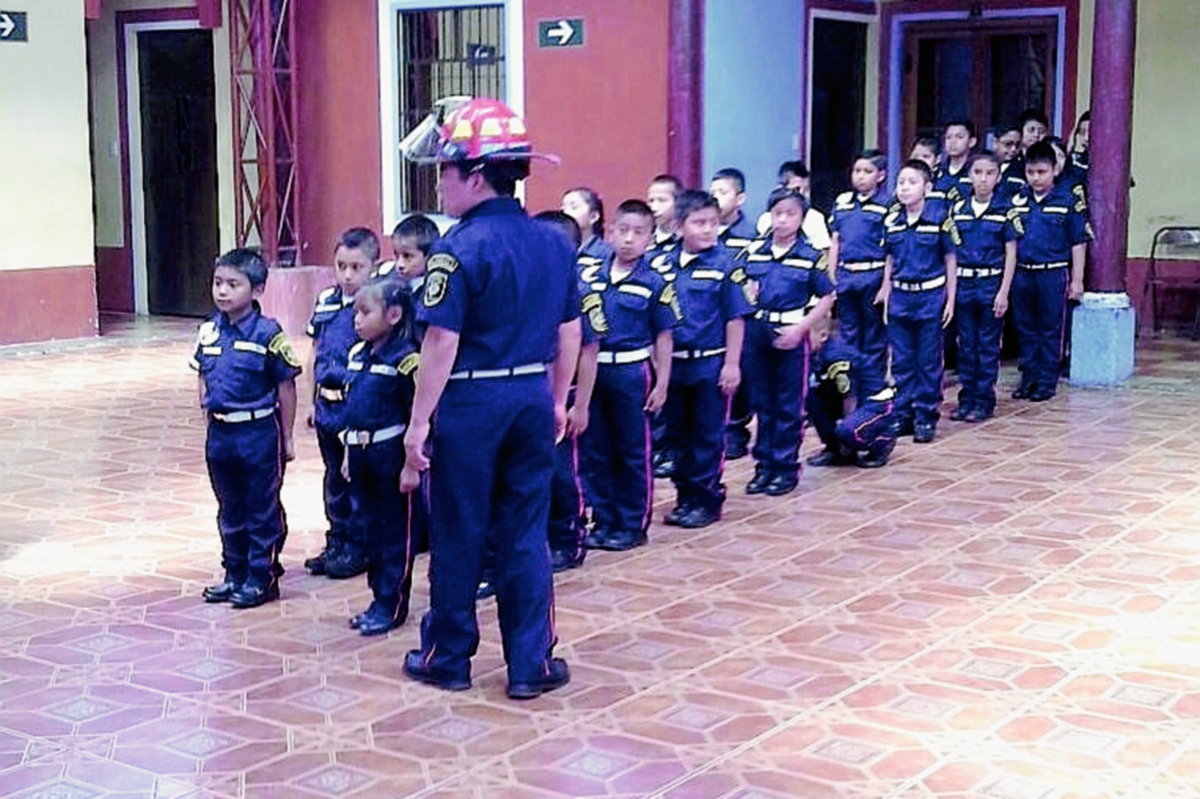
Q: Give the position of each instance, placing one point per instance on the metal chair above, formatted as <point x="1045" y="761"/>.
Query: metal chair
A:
<point x="1173" y="243"/>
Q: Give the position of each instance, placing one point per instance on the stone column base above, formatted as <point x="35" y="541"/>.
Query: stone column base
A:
<point x="1102" y="340"/>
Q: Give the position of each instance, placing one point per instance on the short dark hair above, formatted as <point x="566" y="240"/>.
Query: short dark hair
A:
<point x="919" y="166"/>
<point x="925" y="141"/>
<point x="735" y="176"/>
<point x="676" y="183"/>
<point x="248" y="262"/>
<point x="876" y="157"/>
<point x="961" y="122"/>
<point x="1033" y="115"/>
<point x="1041" y="152"/>
<point x="1001" y="130"/>
<point x="420" y="228"/>
<point x="637" y="207"/>
<point x="393" y="292"/>
<point x="564" y="224"/>
<point x="594" y="203"/>
<point x="692" y="200"/>
<point x="359" y="238"/>
<point x="797" y="168"/>
<point x="1086" y="116"/>
<point x="1057" y="143"/>
<point x="784" y="193"/>
<point x="501" y="174"/>
<point x="983" y="155"/>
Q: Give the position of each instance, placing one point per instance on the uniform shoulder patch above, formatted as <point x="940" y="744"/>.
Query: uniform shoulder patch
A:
<point x="208" y="334"/>
<point x="738" y="275"/>
<point x="442" y="261"/>
<point x="410" y="363"/>
<point x="435" y="286"/>
<point x="281" y="346"/>
<point x="327" y="294"/>
<point x="356" y="349"/>
<point x="592" y="305"/>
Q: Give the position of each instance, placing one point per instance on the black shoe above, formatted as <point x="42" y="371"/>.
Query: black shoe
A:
<point x="486" y="589"/>
<point x="561" y="560"/>
<point x="349" y="562"/>
<point x="377" y="620"/>
<point x="415" y="668"/>
<point x="222" y="591"/>
<point x="979" y="415"/>
<point x="878" y="456"/>
<point x="828" y="457"/>
<point x="1041" y="395"/>
<point x="596" y="538"/>
<point x="759" y="482"/>
<point x="251" y="596"/>
<point x="622" y="540"/>
<point x="736" y="448"/>
<point x="664" y="465"/>
<point x="676" y="515"/>
<point x="961" y="413"/>
<point x="902" y="427"/>
<point x="699" y="517"/>
<point x="1022" y="391"/>
<point x="781" y="484"/>
<point x="316" y="565"/>
<point x="557" y="676"/>
<point x="923" y="432"/>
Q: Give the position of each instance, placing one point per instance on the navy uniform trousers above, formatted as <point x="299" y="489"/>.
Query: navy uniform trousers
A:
<point x="491" y="438"/>
<point x="860" y="318"/>
<point x="915" y="330"/>
<point x="697" y="413"/>
<point x="979" y="333"/>
<point x="385" y="521"/>
<point x="868" y="428"/>
<point x="616" y="448"/>
<point x="778" y="381"/>
<point x="245" y="467"/>
<point x="337" y="491"/>
<point x="1039" y="303"/>
<point x="567" y="527"/>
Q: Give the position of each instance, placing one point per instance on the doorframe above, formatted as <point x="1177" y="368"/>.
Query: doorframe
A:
<point x="389" y="79"/>
<point x="129" y="24"/>
<point x="868" y="18"/>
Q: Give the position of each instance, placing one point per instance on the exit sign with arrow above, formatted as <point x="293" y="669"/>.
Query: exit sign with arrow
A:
<point x="13" y="27"/>
<point x="560" y="33"/>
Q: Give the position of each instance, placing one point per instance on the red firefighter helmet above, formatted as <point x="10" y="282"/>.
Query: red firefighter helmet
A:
<point x="465" y="129"/>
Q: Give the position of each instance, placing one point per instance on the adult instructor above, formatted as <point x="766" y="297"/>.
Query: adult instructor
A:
<point x="502" y="340"/>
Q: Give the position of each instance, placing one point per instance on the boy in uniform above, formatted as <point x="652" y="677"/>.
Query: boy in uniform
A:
<point x="1008" y="149"/>
<point x="412" y="239"/>
<point x="953" y="176"/>
<point x="1050" y="263"/>
<point x="707" y="356"/>
<point x="661" y="197"/>
<point x="332" y="331"/>
<point x="247" y="389"/>
<point x="736" y="233"/>
<point x="637" y="309"/>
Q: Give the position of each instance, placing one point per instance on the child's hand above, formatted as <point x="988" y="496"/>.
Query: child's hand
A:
<point x="1076" y="290"/>
<point x="729" y="379"/>
<point x="789" y="338"/>
<point x="657" y="398"/>
<point x="308" y="420"/>
<point x="884" y="293"/>
<point x="577" y="421"/>
<point x="415" y="459"/>
<point x="948" y="313"/>
<point x="560" y="423"/>
<point x="1000" y="305"/>
<point x="289" y="450"/>
<point x="410" y="479"/>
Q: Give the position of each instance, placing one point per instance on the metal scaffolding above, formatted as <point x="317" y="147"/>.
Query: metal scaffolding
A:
<point x="266" y="176"/>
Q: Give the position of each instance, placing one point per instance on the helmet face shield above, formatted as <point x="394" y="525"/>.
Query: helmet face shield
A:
<point x="466" y="129"/>
<point x="424" y="143"/>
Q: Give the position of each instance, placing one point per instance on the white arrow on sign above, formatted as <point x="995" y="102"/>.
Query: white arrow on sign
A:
<point x="562" y="31"/>
<point x="7" y="26"/>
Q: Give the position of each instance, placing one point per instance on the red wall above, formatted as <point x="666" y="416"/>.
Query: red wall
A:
<point x="50" y="303"/>
<point x="337" y="50"/>
<point x="602" y="107"/>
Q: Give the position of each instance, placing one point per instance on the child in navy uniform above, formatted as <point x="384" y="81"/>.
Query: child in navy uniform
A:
<point x="638" y="311"/>
<point x="587" y="209"/>
<point x="379" y="394"/>
<point x="706" y="370"/>
<point x="736" y="233"/>
<point x="1050" y="263"/>
<point x="332" y="331"/>
<point x="247" y="388"/>
<point x="787" y="280"/>
<point x="411" y="240"/>
<point x="986" y="260"/>
<point x="662" y="196"/>
<point x="856" y="256"/>
<point x="952" y="177"/>
<point x="850" y="404"/>
<point x="918" y="294"/>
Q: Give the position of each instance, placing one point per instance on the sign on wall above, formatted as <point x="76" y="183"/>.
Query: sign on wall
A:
<point x="560" y="33"/>
<point x="12" y="27"/>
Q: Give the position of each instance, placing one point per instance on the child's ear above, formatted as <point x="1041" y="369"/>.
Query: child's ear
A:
<point x="256" y="292"/>
<point x="394" y="314"/>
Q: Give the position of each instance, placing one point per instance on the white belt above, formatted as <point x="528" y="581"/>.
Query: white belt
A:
<point x="792" y="317"/>
<point x="628" y="356"/>
<point x="363" y="438"/>
<point x="515" y="371"/>
<point x="1053" y="265"/>
<point x="920" y="285"/>
<point x="237" y="417"/>
<point x="862" y="266"/>
<point x="691" y="355"/>
<point x="975" y="271"/>
<point x="330" y="394"/>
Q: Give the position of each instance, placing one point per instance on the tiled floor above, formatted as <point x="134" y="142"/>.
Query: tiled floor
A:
<point x="1013" y="611"/>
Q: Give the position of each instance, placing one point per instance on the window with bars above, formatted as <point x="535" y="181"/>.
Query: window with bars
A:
<point x="444" y="52"/>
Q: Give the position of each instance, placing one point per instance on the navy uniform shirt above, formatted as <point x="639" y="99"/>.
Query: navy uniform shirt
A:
<point x="1012" y="178"/>
<point x="984" y="235"/>
<point x="859" y="221"/>
<point x="739" y="235"/>
<point x="332" y="330"/>
<point x="955" y="185"/>
<point x="838" y="364"/>
<point x="919" y="248"/>
<point x="660" y="245"/>
<point x="629" y="314"/>
<point x="243" y="364"/>
<point x="380" y="387"/>
<point x="596" y="247"/>
<point x="787" y="281"/>
<point x="708" y="297"/>
<point x="1053" y="225"/>
<point x="505" y="283"/>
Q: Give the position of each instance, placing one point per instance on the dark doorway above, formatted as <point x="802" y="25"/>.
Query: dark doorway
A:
<point x="179" y="168"/>
<point x="839" y="80"/>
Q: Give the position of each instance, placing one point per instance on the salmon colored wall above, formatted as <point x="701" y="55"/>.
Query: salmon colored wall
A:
<point x="338" y="60"/>
<point x="602" y="107"/>
<point x="47" y="303"/>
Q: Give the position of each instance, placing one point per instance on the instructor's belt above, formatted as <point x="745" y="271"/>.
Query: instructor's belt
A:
<point x="364" y="438"/>
<point x="512" y="371"/>
<point x="628" y="356"/>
